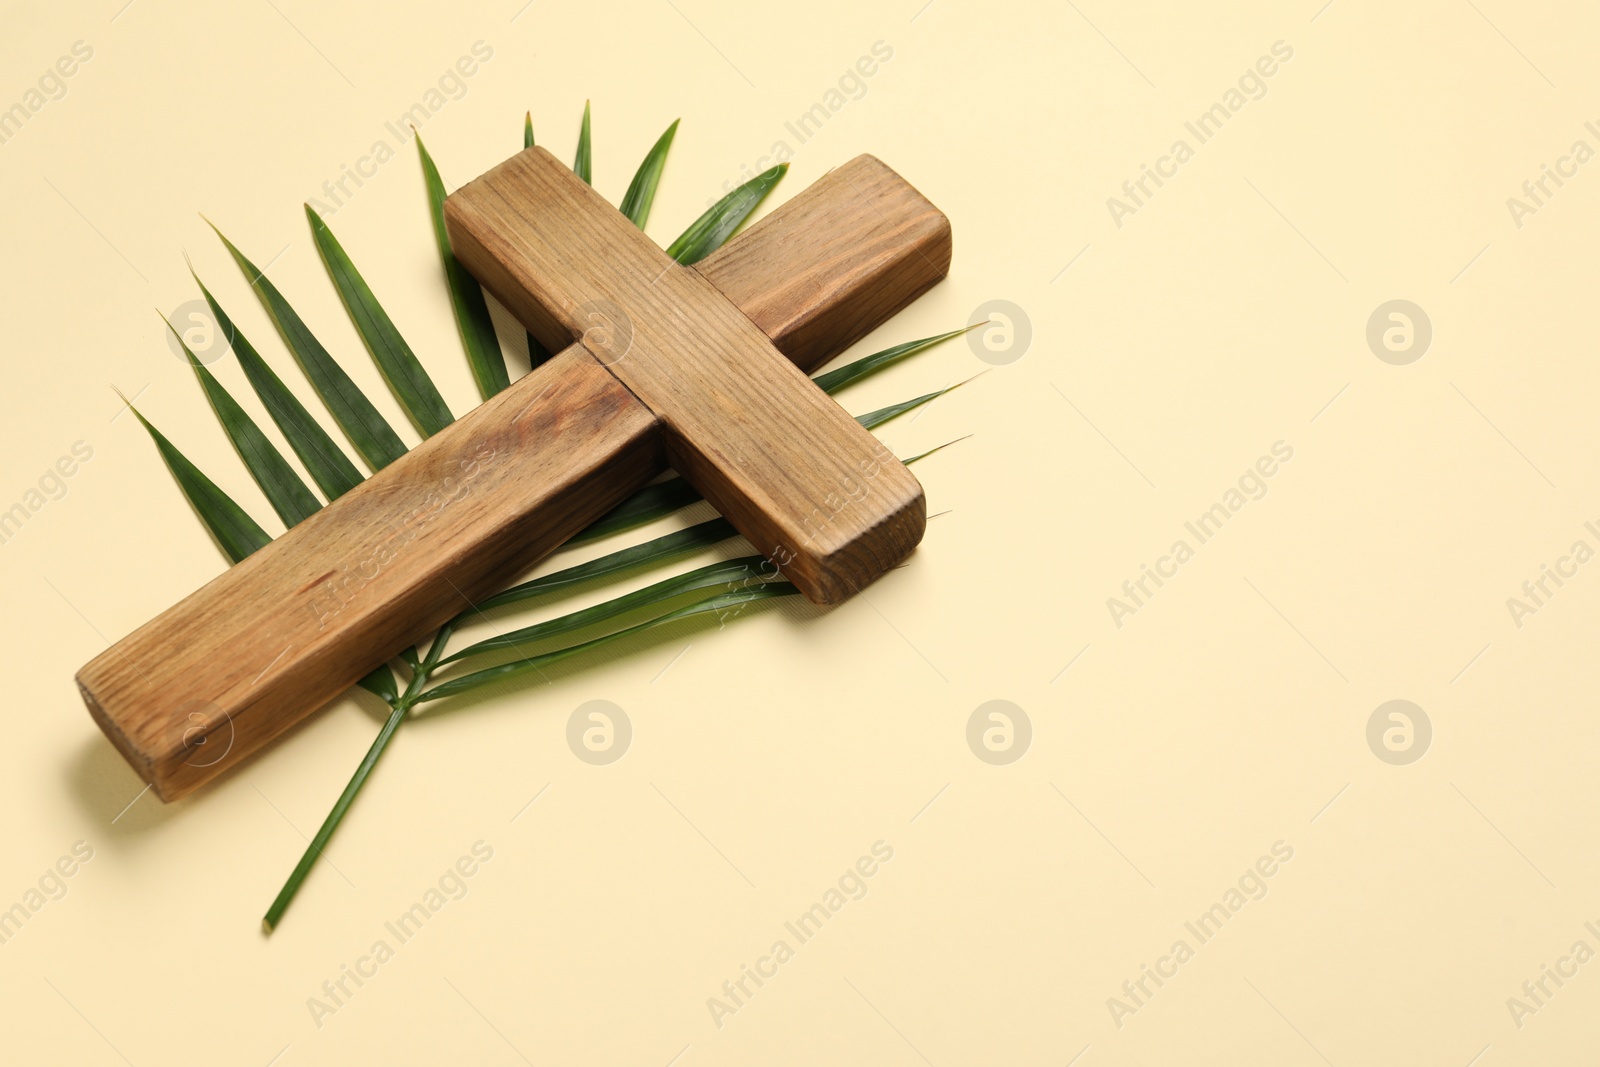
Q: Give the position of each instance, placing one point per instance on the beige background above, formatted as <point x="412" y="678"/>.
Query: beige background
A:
<point x="1167" y="755"/>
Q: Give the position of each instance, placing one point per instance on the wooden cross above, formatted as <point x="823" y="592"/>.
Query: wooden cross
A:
<point x="698" y="368"/>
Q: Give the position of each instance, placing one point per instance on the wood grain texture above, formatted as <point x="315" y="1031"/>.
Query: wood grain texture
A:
<point x="800" y="478"/>
<point x="821" y="271"/>
<point x="208" y="682"/>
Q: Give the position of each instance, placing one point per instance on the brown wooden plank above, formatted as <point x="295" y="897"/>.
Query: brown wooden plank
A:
<point x="835" y="261"/>
<point x="236" y="663"/>
<point x="792" y="470"/>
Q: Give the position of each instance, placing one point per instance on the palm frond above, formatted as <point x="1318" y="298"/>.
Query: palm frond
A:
<point x="235" y="532"/>
<point x="711" y="230"/>
<point x="724" y="587"/>
<point x="583" y="162"/>
<point x="717" y="602"/>
<point x="487" y="362"/>
<point x="642" y="190"/>
<point x="728" y="573"/>
<point x="667" y="546"/>
<point x="399" y="366"/>
<point x="537" y="353"/>
<point x="367" y="431"/>
<point x="283" y="488"/>
<point x="329" y="467"/>
<point x="835" y="380"/>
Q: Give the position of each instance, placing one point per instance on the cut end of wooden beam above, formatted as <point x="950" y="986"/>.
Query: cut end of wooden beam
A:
<point x="833" y="263"/>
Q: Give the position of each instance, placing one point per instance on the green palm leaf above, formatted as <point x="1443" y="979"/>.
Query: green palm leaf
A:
<point x="582" y="163"/>
<point x="380" y="683"/>
<point x="284" y="490"/>
<point x="236" y="532"/>
<point x="936" y="448"/>
<point x="396" y="362"/>
<point x="423" y="404"/>
<point x="488" y="363"/>
<point x="834" y="380"/>
<point x="877" y="418"/>
<point x="701" y="535"/>
<point x="366" y="430"/>
<point x="400" y="705"/>
<point x="330" y="468"/>
<point x="717" y="602"/>
<point x="537" y="353"/>
<point x="280" y="904"/>
<point x="710" y="231"/>
<point x="729" y="573"/>
<point x="642" y="190"/>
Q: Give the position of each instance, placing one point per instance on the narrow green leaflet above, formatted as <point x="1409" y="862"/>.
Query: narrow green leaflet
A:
<point x="936" y="448"/>
<point x="883" y="415"/>
<point x="400" y="706"/>
<point x="236" y="532"/>
<point x="284" y="490"/>
<point x="488" y="363"/>
<point x="702" y="535"/>
<point x="730" y="574"/>
<point x="380" y="683"/>
<point x="367" y="430"/>
<point x="398" y="364"/>
<point x="642" y="190"/>
<point x="537" y="353"/>
<point x="281" y="903"/>
<point x="330" y="468"/>
<point x="583" y="163"/>
<point x="834" y="380"/>
<point x="730" y="603"/>
<point x="710" y="231"/>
